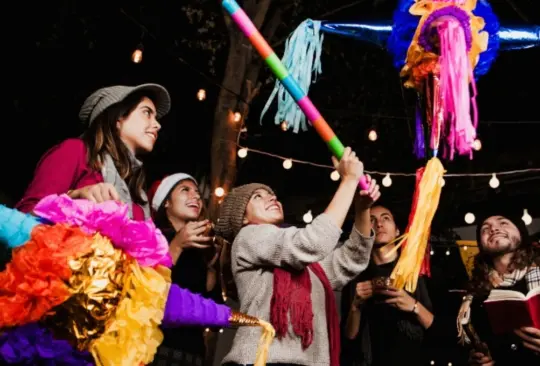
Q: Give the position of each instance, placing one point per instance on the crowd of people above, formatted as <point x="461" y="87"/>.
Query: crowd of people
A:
<point x="285" y="275"/>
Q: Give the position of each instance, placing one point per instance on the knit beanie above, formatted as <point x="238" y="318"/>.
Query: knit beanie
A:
<point x="512" y="215"/>
<point x="233" y="210"/>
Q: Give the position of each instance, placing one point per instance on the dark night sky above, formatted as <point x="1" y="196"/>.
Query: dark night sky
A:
<point x="59" y="53"/>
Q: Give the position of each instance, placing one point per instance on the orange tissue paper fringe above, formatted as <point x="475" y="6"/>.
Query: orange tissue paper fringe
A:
<point x="35" y="281"/>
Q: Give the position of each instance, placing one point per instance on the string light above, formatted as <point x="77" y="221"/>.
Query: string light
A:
<point x="433" y="362"/>
<point x="527" y="219"/>
<point x="477" y="145"/>
<point x="137" y="55"/>
<point x="387" y="181"/>
<point x="201" y="95"/>
<point x="287" y="164"/>
<point x="284" y="126"/>
<point x="398" y="174"/>
<point x="448" y="252"/>
<point x="494" y="182"/>
<point x="442" y="182"/>
<point x="308" y="217"/>
<point x="469" y="218"/>
<point x="219" y="192"/>
<point x="237" y="117"/>
<point x="334" y="175"/>
<point x="372" y="135"/>
<point x="242" y="153"/>
<point x="432" y="252"/>
<point x="221" y="330"/>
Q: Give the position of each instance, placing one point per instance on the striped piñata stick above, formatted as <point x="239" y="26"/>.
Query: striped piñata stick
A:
<point x="272" y="60"/>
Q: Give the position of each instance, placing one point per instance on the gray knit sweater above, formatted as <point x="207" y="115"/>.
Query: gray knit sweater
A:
<point x="259" y="248"/>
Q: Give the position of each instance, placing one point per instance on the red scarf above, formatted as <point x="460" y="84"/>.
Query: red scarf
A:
<point x="292" y="294"/>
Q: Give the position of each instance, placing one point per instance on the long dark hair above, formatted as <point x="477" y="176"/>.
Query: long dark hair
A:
<point x="102" y="138"/>
<point x="526" y="255"/>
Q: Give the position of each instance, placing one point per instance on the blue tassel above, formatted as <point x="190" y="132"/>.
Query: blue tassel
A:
<point x="302" y="58"/>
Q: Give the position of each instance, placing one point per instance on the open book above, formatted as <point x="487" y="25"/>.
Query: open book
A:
<point x="508" y="310"/>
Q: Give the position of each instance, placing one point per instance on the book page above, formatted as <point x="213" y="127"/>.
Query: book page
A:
<point x="501" y="294"/>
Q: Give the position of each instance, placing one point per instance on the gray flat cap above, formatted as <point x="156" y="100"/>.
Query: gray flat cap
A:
<point x="105" y="97"/>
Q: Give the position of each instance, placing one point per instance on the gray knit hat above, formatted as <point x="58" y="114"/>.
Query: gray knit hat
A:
<point x="103" y="98"/>
<point x="233" y="210"/>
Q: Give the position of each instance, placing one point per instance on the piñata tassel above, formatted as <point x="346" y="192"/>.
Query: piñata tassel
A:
<point x="267" y="336"/>
<point x="455" y="75"/>
<point x="425" y="203"/>
<point x="419" y="143"/>
<point x="15" y="226"/>
<point x="302" y="58"/>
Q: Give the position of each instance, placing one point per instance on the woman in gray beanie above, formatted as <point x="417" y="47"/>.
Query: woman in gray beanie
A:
<point x="288" y="275"/>
<point x="122" y="123"/>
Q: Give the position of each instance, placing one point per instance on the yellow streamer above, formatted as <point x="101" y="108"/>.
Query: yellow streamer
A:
<point x="133" y="336"/>
<point x="268" y="333"/>
<point x="407" y="269"/>
<point x="267" y="337"/>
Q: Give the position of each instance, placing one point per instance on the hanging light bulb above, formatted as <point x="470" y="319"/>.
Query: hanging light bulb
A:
<point x="527" y="219"/>
<point x="372" y="135"/>
<point x="433" y="362"/>
<point x="334" y="175"/>
<point x="494" y="182"/>
<point x="432" y="252"/>
<point x="465" y="248"/>
<point x="221" y="330"/>
<point x="387" y="181"/>
<point x="242" y="153"/>
<point x="287" y="164"/>
<point x="477" y="145"/>
<point x="284" y="126"/>
<point x="448" y="252"/>
<point x="219" y="192"/>
<point x="237" y="117"/>
<point x="201" y="95"/>
<point x="136" y="56"/>
<point x="308" y="217"/>
<point x="469" y="218"/>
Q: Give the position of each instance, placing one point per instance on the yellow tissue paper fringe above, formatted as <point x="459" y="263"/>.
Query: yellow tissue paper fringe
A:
<point x="407" y="269"/>
<point x="133" y="336"/>
<point x="268" y="333"/>
<point x="267" y="337"/>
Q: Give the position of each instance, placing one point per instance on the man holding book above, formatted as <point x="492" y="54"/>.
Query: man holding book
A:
<point x="504" y="298"/>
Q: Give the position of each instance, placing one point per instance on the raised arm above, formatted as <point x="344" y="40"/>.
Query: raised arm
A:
<point x="56" y="173"/>
<point x="269" y="245"/>
<point x="347" y="261"/>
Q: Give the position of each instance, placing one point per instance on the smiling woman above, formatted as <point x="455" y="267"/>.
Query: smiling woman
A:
<point x="102" y="165"/>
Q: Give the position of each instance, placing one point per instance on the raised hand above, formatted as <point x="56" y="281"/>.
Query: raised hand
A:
<point x="366" y="198"/>
<point x="349" y="167"/>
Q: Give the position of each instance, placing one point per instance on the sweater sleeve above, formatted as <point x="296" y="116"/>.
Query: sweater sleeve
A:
<point x="269" y="245"/>
<point x="55" y="173"/>
<point x="347" y="261"/>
